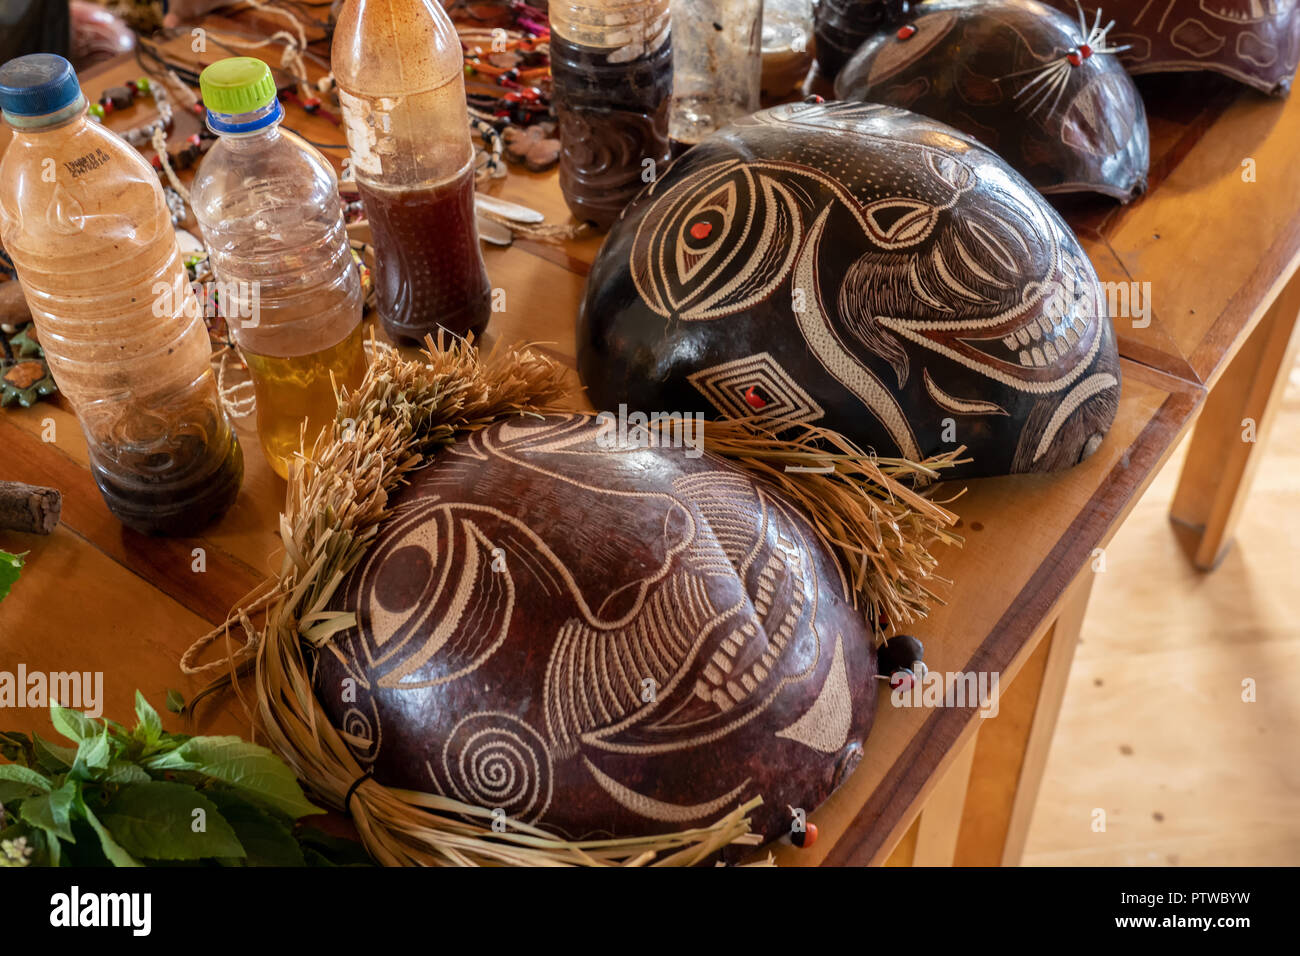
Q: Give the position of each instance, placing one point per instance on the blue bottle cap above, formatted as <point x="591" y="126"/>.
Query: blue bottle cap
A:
<point x="38" y="84"/>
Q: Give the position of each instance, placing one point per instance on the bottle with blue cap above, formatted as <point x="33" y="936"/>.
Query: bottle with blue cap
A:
<point x="85" y="221"/>
<point x="268" y="204"/>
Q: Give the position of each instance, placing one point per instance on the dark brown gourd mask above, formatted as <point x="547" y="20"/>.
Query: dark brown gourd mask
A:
<point x="1045" y="92"/>
<point x="600" y="639"/>
<point x="1254" y="41"/>
<point x="864" y="268"/>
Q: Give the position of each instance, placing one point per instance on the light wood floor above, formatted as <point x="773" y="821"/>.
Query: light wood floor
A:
<point x="1153" y="729"/>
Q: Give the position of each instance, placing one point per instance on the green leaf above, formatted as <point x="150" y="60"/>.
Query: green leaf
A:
<point x="72" y="724"/>
<point x="267" y="838"/>
<point x="122" y="771"/>
<point x="149" y="729"/>
<point x="175" y="702"/>
<point x="256" y="772"/>
<point x="52" y="757"/>
<point x="50" y="811"/>
<point x="25" y="776"/>
<point x="156" y="820"/>
<point x="112" y="849"/>
<point x="16" y="747"/>
<point x="10" y="564"/>
<point x="93" y="753"/>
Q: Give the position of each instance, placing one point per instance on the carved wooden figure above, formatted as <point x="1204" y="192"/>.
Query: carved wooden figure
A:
<point x="600" y="640"/>
<point x="1045" y="92"/>
<point x="864" y="268"/>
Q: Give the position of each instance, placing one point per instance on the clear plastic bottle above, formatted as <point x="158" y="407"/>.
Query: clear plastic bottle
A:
<point x="268" y="205"/>
<point x="612" y="67"/>
<point x="787" y="45"/>
<point x="717" y="65"/>
<point x="401" y="82"/>
<point x="84" y="219"/>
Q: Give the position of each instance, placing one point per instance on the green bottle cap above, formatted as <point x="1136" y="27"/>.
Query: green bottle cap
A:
<point x="237" y="84"/>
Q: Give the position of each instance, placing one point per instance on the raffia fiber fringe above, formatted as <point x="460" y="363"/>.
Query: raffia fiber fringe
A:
<point x="339" y="494"/>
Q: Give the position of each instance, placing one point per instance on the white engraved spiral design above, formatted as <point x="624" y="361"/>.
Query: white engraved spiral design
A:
<point x="361" y="735"/>
<point x="493" y="759"/>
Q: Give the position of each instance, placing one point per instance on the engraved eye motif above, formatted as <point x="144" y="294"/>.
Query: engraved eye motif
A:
<point x="716" y="243"/>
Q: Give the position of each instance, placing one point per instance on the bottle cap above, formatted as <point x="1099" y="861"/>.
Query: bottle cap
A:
<point x="37" y="84"/>
<point x="237" y="84"/>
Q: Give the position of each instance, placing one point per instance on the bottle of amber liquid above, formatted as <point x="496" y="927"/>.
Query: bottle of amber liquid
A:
<point x="83" y="217"/>
<point x="401" y="83"/>
<point x="268" y="205"/>
<point x="612" y="67"/>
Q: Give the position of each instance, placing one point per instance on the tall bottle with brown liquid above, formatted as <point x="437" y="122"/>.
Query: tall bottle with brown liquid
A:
<point x="401" y="82"/>
<point x="84" y="219"/>
<point x="612" y="64"/>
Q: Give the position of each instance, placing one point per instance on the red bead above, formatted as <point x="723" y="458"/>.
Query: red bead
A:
<point x="805" y="838"/>
<point x="754" y="399"/>
<point x="906" y="32"/>
<point x="107" y="104"/>
<point x="194" y="139"/>
<point x="1074" y="59"/>
<point x="156" y="162"/>
<point x="701" y="230"/>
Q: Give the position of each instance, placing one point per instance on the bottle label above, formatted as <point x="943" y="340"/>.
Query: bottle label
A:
<point x="362" y="127"/>
<point x="84" y="164"/>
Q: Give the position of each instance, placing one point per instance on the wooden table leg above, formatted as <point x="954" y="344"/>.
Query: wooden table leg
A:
<point x="979" y="811"/>
<point x="1011" y="749"/>
<point x="1228" y="439"/>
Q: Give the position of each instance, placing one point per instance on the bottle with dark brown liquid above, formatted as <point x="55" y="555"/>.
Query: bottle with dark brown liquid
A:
<point x="402" y="86"/>
<point x="84" y="219"/>
<point x="611" y="61"/>
<point x="841" y="26"/>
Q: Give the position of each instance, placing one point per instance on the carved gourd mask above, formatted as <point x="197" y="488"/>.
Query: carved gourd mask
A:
<point x="1043" y="91"/>
<point x="600" y="640"/>
<point x="1254" y="41"/>
<point x="864" y="268"/>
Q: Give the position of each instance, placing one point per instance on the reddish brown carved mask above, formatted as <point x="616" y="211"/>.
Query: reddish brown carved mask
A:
<point x="1045" y="92"/>
<point x="1254" y="41"/>
<point x="864" y="268"/>
<point x="600" y="640"/>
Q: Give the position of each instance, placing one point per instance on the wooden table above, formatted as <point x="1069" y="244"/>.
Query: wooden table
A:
<point x="936" y="786"/>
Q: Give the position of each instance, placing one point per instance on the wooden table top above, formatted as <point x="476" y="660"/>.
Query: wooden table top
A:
<point x="95" y="596"/>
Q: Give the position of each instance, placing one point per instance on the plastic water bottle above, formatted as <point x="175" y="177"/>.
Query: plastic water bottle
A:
<point x="717" y="65"/>
<point x="268" y="204"/>
<point x="84" y="219"/>
<point x="401" y="82"/>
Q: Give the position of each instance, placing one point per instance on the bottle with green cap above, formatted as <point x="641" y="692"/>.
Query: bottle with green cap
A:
<point x="268" y="205"/>
<point x="84" y="219"/>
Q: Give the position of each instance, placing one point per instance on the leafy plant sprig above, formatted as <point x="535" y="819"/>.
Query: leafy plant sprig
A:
<point x="10" y="565"/>
<point x="147" y="797"/>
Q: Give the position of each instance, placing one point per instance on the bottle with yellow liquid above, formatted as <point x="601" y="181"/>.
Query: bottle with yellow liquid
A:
<point x="269" y="208"/>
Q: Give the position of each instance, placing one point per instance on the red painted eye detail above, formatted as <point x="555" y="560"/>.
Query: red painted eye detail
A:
<point x="701" y="230"/>
<point x="906" y="32"/>
<point x="754" y="399"/>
